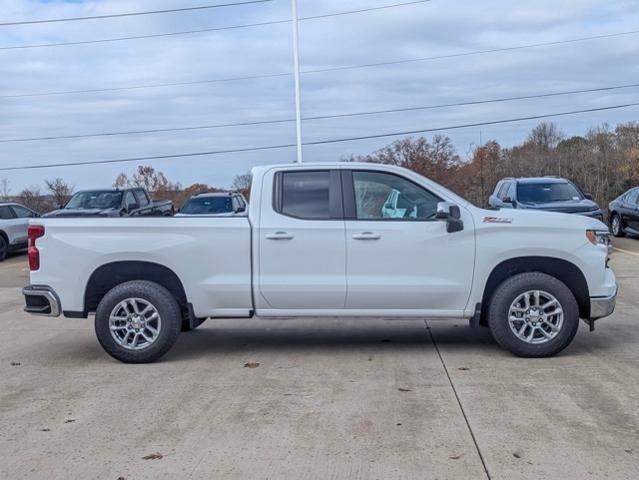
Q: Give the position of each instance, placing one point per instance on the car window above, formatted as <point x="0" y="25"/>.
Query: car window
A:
<point x="207" y="206"/>
<point x="511" y="191"/>
<point x="502" y="190"/>
<point x="384" y="196"/>
<point x="632" y="197"/>
<point x="141" y="198"/>
<point x="544" y="192"/>
<point x="6" y="213"/>
<point x="306" y="195"/>
<point x="22" y="212"/>
<point x="95" y="200"/>
<point x="129" y="199"/>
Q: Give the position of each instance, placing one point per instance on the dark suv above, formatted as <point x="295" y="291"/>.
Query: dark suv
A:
<point x="553" y="194"/>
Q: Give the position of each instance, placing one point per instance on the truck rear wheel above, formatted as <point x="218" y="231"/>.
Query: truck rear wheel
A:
<point x="533" y="315"/>
<point x="138" y="321"/>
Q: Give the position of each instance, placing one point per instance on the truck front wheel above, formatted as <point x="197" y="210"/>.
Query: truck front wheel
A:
<point x="138" y="321"/>
<point x="533" y="315"/>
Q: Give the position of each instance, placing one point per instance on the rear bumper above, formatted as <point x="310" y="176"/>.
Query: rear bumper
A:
<point x="41" y="300"/>
<point x="602" y="306"/>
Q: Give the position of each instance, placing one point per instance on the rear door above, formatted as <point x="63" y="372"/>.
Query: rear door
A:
<point x="302" y="249"/>
<point x="403" y="260"/>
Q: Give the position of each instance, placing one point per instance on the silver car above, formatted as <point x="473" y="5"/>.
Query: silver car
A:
<point x="14" y="220"/>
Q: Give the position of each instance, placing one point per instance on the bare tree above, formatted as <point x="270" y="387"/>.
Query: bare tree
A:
<point x="242" y="183"/>
<point x="60" y="190"/>
<point x="121" y="181"/>
<point x="32" y="198"/>
<point x="5" y="190"/>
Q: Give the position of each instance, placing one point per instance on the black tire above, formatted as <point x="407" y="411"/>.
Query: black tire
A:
<point x="164" y="303"/>
<point x="4" y="248"/>
<point x="505" y="295"/>
<point x="616" y="225"/>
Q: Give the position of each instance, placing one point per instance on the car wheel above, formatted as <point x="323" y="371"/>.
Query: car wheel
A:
<point x="138" y="321"/>
<point x="617" y="228"/>
<point x="4" y="248"/>
<point x="533" y="315"/>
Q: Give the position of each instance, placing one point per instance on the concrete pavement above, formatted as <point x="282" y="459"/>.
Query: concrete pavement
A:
<point x="329" y="399"/>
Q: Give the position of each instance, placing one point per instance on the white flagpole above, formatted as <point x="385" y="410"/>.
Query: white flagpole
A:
<point x="298" y="99"/>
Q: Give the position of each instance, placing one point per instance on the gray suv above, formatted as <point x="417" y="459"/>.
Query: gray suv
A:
<point x="14" y="220"/>
<point x="552" y="194"/>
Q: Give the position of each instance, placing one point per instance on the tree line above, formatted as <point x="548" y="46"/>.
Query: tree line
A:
<point x="604" y="162"/>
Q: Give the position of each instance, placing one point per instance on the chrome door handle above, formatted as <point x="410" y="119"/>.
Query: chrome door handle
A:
<point x="279" y="236"/>
<point x="367" y="236"/>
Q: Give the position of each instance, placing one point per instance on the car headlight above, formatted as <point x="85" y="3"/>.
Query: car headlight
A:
<point x="599" y="237"/>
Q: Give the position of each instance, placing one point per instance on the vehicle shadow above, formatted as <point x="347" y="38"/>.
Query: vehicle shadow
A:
<point x="300" y="335"/>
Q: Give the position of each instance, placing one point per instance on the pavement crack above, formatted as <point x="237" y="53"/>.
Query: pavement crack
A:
<point x="461" y="407"/>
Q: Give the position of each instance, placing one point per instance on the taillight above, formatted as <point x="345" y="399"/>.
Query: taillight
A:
<point x="34" y="232"/>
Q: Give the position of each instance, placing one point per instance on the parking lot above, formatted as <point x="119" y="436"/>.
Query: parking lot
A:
<point x="329" y="399"/>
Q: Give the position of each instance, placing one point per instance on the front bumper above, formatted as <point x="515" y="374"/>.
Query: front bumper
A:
<point x="602" y="306"/>
<point x="41" y="300"/>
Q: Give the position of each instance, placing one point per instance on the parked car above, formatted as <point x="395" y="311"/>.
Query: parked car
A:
<point x="14" y="220"/>
<point x="552" y="194"/>
<point x="116" y="202"/>
<point x="219" y="204"/>
<point x="624" y="213"/>
<point x="318" y="241"/>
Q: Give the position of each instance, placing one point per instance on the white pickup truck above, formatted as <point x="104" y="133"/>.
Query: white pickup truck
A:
<point x="327" y="240"/>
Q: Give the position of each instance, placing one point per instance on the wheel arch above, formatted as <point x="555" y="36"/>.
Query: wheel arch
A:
<point x="109" y="275"/>
<point x="563" y="270"/>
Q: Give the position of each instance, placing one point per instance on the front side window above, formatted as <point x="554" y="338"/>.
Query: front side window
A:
<point x="306" y="195"/>
<point x="547" y="192"/>
<point x="633" y="197"/>
<point x="384" y="196"/>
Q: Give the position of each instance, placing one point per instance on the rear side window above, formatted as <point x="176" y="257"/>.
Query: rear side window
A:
<point x="141" y="197"/>
<point x="6" y="213"/>
<point x="305" y="195"/>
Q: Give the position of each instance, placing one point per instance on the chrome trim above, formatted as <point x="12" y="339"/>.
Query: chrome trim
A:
<point x="48" y="294"/>
<point x="602" y="306"/>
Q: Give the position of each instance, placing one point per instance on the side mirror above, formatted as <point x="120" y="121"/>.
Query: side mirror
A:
<point x="588" y="196"/>
<point x="133" y="206"/>
<point x="240" y="209"/>
<point x="451" y="214"/>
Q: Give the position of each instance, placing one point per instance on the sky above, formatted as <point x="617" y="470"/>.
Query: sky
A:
<point x="405" y="32"/>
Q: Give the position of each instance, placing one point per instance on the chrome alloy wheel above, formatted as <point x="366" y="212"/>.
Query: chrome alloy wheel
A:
<point x="135" y="323"/>
<point x="535" y="317"/>
<point x="616" y="225"/>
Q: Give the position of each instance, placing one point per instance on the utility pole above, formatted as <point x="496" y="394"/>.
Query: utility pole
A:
<point x="298" y="96"/>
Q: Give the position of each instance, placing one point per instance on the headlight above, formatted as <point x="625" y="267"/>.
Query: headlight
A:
<point x="599" y="237"/>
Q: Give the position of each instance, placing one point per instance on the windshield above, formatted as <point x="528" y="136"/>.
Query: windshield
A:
<point x="547" y="192"/>
<point x="207" y="206"/>
<point x="95" y="200"/>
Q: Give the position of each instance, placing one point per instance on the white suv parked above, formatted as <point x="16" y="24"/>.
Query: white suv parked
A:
<point x="14" y="220"/>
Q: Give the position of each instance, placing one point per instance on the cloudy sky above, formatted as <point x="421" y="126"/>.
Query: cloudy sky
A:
<point x="436" y="28"/>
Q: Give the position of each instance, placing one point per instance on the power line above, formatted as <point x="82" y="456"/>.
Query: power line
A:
<point x="132" y="14"/>
<point x="322" y="70"/>
<point x="319" y="117"/>
<point x="214" y="29"/>
<point x="318" y="142"/>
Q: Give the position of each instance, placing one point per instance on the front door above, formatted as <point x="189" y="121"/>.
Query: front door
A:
<point x="399" y="257"/>
<point x="302" y="248"/>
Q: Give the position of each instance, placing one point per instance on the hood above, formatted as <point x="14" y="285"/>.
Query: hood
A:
<point x="94" y="212"/>
<point x="570" y="206"/>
